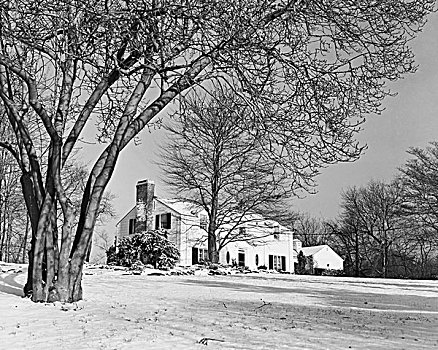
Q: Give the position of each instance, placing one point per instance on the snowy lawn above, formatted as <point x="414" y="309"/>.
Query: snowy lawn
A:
<point x="258" y="311"/>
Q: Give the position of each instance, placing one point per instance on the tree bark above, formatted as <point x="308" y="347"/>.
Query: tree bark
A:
<point x="213" y="254"/>
<point x="60" y="292"/>
<point x="39" y="292"/>
<point x="33" y="211"/>
<point x="26" y="235"/>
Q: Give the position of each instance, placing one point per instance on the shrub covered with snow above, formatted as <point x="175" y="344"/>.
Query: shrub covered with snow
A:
<point x="150" y="247"/>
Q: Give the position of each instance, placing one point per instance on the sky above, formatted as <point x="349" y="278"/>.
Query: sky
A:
<point x="410" y="119"/>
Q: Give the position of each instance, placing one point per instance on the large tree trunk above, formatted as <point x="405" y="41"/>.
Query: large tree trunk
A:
<point x="24" y="243"/>
<point x="61" y="290"/>
<point x="3" y="232"/>
<point x="213" y="254"/>
<point x="39" y="269"/>
<point x="33" y="214"/>
<point x="68" y="286"/>
<point x="44" y="257"/>
<point x="50" y="255"/>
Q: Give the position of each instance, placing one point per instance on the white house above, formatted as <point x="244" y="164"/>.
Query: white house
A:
<point x="324" y="257"/>
<point x="186" y="225"/>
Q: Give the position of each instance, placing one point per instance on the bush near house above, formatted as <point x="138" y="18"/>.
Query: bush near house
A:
<point x="150" y="247"/>
<point x="305" y="264"/>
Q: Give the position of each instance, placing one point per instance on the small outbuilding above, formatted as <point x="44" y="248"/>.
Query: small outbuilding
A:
<point x="324" y="258"/>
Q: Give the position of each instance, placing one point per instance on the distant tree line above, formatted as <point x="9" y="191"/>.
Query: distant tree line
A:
<point x="385" y="229"/>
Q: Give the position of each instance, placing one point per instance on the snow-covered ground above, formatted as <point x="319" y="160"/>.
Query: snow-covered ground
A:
<point x="256" y="311"/>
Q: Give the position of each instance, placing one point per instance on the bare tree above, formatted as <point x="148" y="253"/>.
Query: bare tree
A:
<point x="215" y="162"/>
<point x="420" y="179"/>
<point x="14" y="223"/>
<point x="102" y="242"/>
<point x="65" y="62"/>
<point x="346" y="238"/>
<point x="375" y="210"/>
<point x="311" y="231"/>
<point x="419" y="176"/>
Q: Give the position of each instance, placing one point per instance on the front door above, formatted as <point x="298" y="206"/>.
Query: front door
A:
<point x="241" y="257"/>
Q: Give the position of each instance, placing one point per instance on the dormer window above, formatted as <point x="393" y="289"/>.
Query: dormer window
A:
<point x="277" y="232"/>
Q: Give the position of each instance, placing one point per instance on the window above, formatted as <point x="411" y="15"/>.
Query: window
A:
<point x="163" y="221"/>
<point x="203" y="222"/>
<point x="131" y="226"/>
<point x="257" y="260"/>
<point x="242" y="230"/>
<point x="202" y="255"/>
<point x="199" y="255"/>
<point x="228" y="257"/>
<point x="277" y="262"/>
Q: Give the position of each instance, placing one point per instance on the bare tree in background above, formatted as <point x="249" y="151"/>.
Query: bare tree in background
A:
<point x="311" y="231"/>
<point x="346" y="238"/>
<point x="14" y="222"/>
<point x="375" y="210"/>
<point x="420" y="179"/>
<point x="313" y="70"/>
<point x="419" y="176"/>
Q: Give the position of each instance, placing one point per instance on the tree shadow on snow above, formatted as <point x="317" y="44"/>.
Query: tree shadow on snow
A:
<point x="334" y="297"/>
<point x="9" y="284"/>
<point x="243" y="287"/>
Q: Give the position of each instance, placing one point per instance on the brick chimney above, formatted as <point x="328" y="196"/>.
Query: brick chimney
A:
<point x="144" y="205"/>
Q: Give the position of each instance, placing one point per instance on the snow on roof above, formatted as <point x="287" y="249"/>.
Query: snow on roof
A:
<point x="309" y="251"/>
<point x="181" y="207"/>
<point x="191" y="209"/>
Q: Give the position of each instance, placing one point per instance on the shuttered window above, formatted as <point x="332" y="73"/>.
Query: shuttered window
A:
<point x="277" y="262"/>
<point x="163" y="221"/>
<point x="166" y="221"/>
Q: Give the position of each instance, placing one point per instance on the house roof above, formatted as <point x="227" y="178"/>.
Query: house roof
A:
<point x="181" y="207"/>
<point x="309" y="251"/>
<point x="124" y="216"/>
<point x="189" y="209"/>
